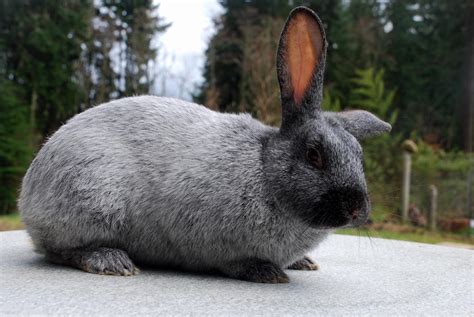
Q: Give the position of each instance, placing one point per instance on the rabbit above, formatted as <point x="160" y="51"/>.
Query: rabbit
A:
<point x="162" y="182"/>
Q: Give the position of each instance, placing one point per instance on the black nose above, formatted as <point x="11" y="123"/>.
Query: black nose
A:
<point x="341" y="206"/>
<point x="354" y="214"/>
<point x="358" y="217"/>
<point x="351" y="202"/>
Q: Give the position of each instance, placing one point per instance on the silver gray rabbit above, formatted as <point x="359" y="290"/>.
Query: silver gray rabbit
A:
<point x="167" y="183"/>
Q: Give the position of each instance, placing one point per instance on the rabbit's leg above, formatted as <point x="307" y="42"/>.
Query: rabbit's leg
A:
<point x="305" y="264"/>
<point x="99" y="260"/>
<point x="255" y="270"/>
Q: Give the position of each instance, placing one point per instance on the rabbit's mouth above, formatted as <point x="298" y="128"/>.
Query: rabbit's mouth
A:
<point x="340" y="207"/>
<point x="336" y="219"/>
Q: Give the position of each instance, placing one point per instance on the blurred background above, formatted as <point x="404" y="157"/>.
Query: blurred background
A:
<point x="408" y="61"/>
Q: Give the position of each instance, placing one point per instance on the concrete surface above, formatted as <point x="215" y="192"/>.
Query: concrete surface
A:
<point x="358" y="276"/>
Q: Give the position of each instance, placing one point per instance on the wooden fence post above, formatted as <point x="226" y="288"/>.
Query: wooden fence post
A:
<point x="409" y="147"/>
<point x="469" y="207"/>
<point x="433" y="206"/>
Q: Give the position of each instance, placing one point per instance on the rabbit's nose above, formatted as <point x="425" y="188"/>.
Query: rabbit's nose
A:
<point x="355" y="214"/>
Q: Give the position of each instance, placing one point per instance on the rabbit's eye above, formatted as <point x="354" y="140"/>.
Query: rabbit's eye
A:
<point x="314" y="157"/>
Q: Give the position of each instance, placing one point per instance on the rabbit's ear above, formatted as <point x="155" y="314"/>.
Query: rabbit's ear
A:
<point x="300" y="63"/>
<point x="362" y="124"/>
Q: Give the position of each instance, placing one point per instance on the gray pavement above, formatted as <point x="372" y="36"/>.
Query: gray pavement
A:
<point x="358" y="277"/>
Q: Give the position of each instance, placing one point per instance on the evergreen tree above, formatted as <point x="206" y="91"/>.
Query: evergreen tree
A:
<point x="426" y="47"/>
<point x="233" y="50"/>
<point x="41" y="42"/>
<point x="39" y="45"/>
<point x="421" y="44"/>
<point x="117" y="59"/>
<point x="58" y="58"/>
<point x="467" y="112"/>
<point x="15" y="147"/>
<point x="356" y="40"/>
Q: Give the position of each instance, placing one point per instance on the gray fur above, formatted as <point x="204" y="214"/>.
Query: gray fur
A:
<point x="362" y="124"/>
<point x="97" y="260"/>
<point x="171" y="183"/>
<point x="305" y="264"/>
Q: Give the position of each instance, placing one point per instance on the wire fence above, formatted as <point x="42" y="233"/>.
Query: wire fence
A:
<point x="454" y="199"/>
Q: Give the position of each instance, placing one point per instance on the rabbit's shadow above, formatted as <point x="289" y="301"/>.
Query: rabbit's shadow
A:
<point x="300" y="281"/>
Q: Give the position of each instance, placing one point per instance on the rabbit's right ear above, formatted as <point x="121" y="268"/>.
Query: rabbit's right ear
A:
<point x="361" y="124"/>
<point x="300" y="65"/>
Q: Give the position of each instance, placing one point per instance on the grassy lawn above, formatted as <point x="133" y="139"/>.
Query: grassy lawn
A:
<point x="387" y="225"/>
<point x="417" y="235"/>
<point x="10" y="222"/>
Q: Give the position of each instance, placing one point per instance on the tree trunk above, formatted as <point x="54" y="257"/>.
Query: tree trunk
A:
<point x="467" y="113"/>
<point x="33" y="108"/>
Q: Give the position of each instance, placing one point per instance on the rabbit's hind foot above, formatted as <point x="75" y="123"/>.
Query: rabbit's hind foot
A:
<point x="255" y="270"/>
<point x="304" y="264"/>
<point x="105" y="261"/>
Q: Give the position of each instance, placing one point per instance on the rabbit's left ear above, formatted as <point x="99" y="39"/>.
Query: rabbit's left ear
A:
<point x="300" y="63"/>
<point x="362" y="124"/>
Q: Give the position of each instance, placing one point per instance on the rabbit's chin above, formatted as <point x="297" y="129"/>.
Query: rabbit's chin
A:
<point x="327" y="225"/>
<point x="337" y="221"/>
<point x="348" y="225"/>
<point x="351" y="225"/>
<point x="355" y="223"/>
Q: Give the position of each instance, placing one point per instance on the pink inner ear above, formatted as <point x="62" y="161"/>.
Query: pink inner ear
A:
<point x="304" y="46"/>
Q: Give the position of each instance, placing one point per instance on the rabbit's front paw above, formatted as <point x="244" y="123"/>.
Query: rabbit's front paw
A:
<point x="305" y="264"/>
<point x="256" y="270"/>
<point x="99" y="261"/>
<point x="108" y="261"/>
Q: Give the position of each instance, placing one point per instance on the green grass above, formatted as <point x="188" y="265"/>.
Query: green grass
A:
<point x="423" y="236"/>
<point x="10" y="222"/>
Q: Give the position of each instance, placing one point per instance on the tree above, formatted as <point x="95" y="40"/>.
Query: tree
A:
<point x="467" y="113"/>
<point x="422" y="45"/>
<point x="58" y="58"/>
<point x="42" y="43"/>
<point x="39" y="45"/>
<point x="118" y="57"/>
<point x="259" y="88"/>
<point x="233" y="58"/>
<point x="15" y="147"/>
<point x="426" y="47"/>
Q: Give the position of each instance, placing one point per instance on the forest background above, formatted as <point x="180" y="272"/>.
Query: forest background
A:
<point x="408" y="61"/>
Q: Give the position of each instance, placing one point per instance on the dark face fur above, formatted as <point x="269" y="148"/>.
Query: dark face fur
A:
<point x="322" y="164"/>
<point x="314" y="164"/>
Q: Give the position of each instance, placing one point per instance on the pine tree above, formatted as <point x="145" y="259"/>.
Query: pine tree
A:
<point x="39" y="44"/>
<point x="467" y="113"/>
<point x="42" y="43"/>
<point x="15" y="147"/>
<point x="117" y="58"/>
<point x="426" y="48"/>
<point x="233" y="55"/>
<point x="56" y="59"/>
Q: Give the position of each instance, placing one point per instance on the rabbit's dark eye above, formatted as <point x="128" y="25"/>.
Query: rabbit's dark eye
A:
<point x="314" y="157"/>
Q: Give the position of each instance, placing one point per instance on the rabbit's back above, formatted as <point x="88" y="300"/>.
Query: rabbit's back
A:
<point x="137" y="166"/>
